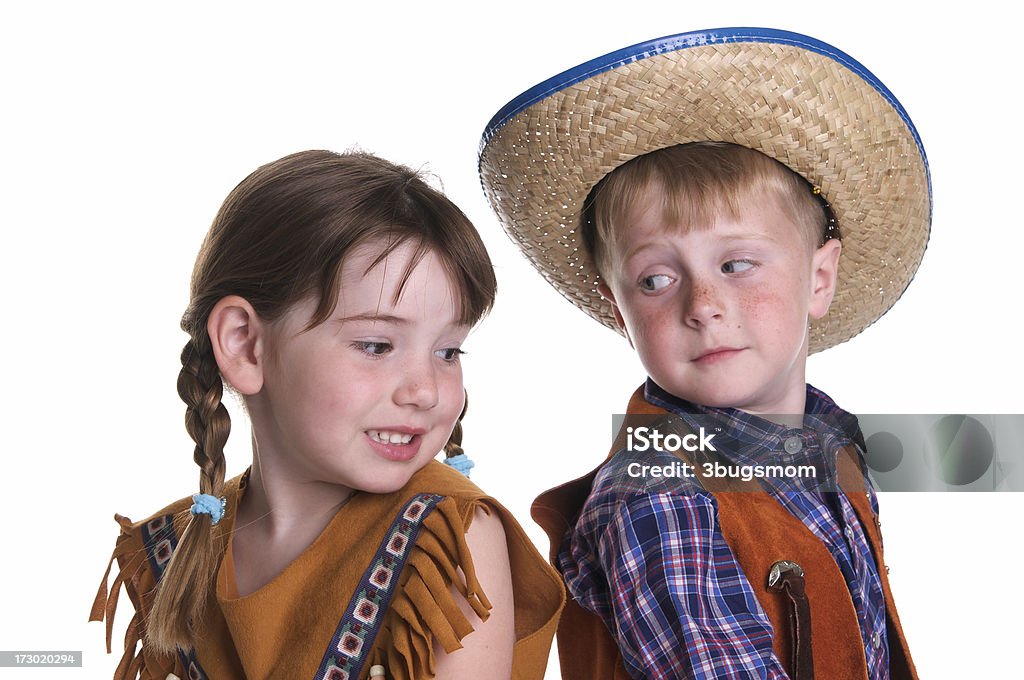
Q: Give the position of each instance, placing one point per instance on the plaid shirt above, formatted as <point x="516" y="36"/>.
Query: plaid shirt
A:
<point x="649" y="558"/>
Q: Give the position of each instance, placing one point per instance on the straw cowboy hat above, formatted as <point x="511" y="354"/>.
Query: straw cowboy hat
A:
<point x="794" y="98"/>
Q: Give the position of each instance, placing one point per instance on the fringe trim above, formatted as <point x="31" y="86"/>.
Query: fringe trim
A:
<point x="138" y="582"/>
<point x="424" y="609"/>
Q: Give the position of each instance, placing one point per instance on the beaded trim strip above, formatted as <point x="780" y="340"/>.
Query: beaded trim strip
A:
<point x="347" y="653"/>
<point x="159" y="542"/>
<point x="193" y="671"/>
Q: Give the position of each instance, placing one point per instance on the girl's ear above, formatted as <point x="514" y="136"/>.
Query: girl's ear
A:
<point x="237" y="335"/>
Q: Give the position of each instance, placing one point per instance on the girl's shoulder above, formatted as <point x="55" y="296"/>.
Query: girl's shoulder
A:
<point x="441" y="555"/>
<point x="443" y="480"/>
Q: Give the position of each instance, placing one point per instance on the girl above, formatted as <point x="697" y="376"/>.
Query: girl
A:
<point x="333" y="293"/>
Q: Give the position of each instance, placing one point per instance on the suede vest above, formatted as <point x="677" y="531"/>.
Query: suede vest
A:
<point x="587" y="651"/>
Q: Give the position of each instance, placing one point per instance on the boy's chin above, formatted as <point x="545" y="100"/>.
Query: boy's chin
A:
<point x="722" y="398"/>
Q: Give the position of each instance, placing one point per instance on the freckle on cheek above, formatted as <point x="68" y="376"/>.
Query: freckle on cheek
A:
<point x="758" y="304"/>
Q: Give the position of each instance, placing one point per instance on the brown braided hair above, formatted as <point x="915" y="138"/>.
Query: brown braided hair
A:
<point x="454" y="446"/>
<point x="281" y="237"/>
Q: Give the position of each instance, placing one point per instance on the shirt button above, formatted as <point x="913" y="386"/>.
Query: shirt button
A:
<point x="793" y="445"/>
<point x="876" y="639"/>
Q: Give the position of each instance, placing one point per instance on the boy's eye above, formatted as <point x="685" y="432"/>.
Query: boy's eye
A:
<point x="736" y="266"/>
<point x="655" y="282"/>
<point x="450" y="354"/>
<point x="373" y="347"/>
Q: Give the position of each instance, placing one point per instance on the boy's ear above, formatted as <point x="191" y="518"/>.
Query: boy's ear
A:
<point x="824" y="275"/>
<point x="237" y="335"/>
<point x="607" y="294"/>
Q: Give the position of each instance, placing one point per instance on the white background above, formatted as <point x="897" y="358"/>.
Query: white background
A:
<point x="123" y="126"/>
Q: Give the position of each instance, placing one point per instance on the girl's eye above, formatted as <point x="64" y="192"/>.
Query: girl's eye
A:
<point x="736" y="266"/>
<point x="450" y="354"/>
<point x="372" y="347"/>
<point x="655" y="282"/>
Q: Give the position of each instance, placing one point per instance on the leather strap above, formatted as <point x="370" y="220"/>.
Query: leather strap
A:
<point x="788" y="577"/>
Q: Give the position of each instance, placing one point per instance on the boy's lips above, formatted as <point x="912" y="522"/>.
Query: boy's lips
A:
<point x="717" y="354"/>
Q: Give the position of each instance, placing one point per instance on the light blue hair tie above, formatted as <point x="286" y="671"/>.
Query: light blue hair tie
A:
<point x="461" y="462"/>
<point x="205" y="504"/>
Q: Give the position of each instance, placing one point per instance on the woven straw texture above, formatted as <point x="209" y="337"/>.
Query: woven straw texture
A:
<point x="797" y="106"/>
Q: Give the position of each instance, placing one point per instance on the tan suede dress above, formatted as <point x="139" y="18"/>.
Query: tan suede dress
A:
<point x="376" y="587"/>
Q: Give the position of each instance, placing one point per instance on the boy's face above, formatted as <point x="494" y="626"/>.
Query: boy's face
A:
<point x="719" y="315"/>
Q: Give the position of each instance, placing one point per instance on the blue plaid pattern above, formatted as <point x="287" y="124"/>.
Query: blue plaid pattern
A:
<point x="649" y="559"/>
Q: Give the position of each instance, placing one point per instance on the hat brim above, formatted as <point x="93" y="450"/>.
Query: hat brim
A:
<point x="796" y="99"/>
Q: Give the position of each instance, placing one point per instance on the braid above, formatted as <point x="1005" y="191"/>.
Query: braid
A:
<point x="206" y="420"/>
<point x="454" y="446"/>
<point x="188" y="579"/>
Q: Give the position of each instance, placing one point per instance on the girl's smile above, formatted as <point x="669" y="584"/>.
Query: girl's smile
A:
<point x="394" y="444"/>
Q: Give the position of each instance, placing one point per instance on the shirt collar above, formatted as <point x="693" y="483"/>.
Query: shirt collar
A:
<point x="746" y="437"/>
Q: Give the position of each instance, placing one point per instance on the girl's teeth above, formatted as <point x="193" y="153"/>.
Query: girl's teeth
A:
<point x="390" y="437"/>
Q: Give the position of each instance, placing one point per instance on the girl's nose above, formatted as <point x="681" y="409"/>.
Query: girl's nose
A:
<point x="418" y="386"/>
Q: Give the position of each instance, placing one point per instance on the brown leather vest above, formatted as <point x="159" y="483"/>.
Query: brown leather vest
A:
<point x="587" y="651"/>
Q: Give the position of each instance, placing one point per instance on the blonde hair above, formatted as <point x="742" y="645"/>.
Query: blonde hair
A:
<point x="280" y="237"/>
<point x="699" y="182"/>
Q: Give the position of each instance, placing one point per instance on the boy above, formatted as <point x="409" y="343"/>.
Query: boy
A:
<point x="713" y="259"/>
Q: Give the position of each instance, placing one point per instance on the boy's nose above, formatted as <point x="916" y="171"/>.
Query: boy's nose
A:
<point x="703" y="305"/>
<point x="418" y="387"/>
